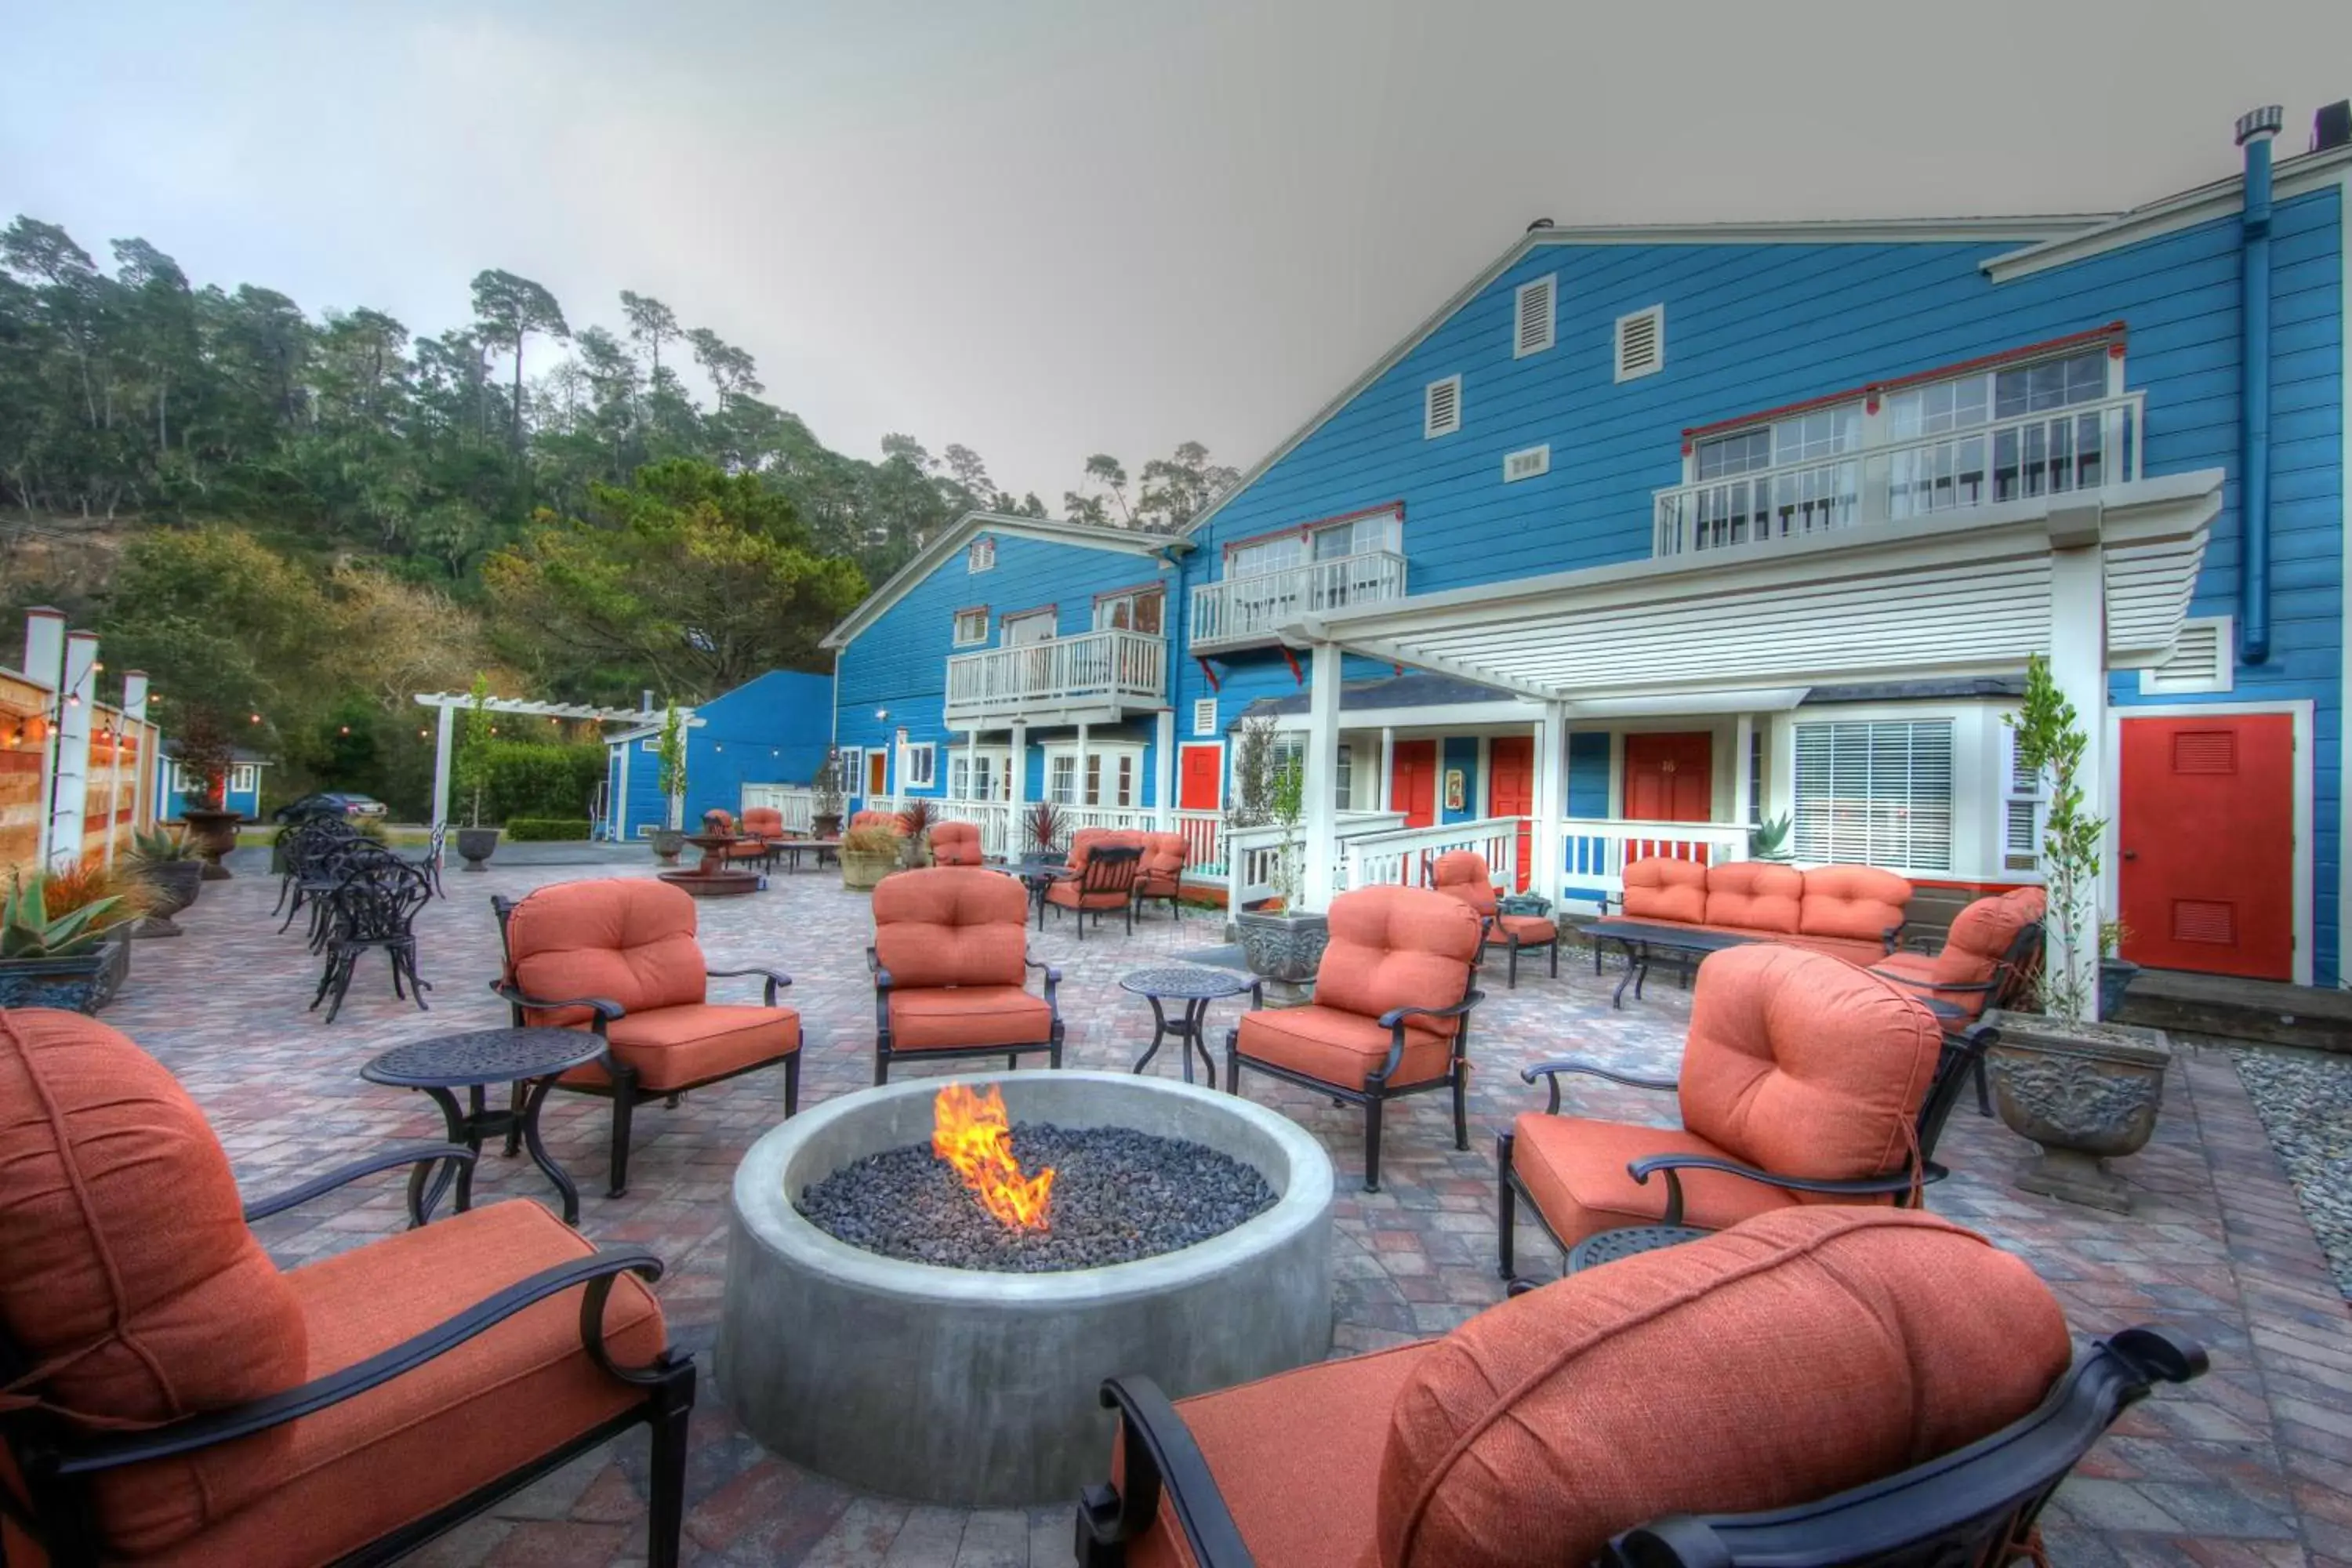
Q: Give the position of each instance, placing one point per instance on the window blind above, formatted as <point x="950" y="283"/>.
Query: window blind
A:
<point x="1876" y="793"/>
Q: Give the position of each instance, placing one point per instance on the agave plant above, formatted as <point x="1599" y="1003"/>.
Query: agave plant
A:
<point x="27" y="930"/>
<point x="161" y="847"/>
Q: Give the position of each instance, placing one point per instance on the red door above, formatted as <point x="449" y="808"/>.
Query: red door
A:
<point x="2206" y="827"/>
<point x="1670" y="778"/>
<point x="1413" y="783"/>
<point x="1200" y="770"/>
<point x="1511" y="790"/>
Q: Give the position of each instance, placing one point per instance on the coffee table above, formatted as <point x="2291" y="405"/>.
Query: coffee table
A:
<point x="1196" y="988"/>
<point x="1641" y="940"/>
<point x="1609" y="1245"/>
<point x="791" y="849"/>
<point x="530" y="1059"/>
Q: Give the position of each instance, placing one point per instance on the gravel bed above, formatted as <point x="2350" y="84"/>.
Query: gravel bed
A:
<point x="2305" y="1099"/>
<point x="1118" y="1194"/>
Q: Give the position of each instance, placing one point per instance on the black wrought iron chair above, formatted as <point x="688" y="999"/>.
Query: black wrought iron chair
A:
<point x="304" y="850"/>
<point x="428" y="860"/>
<point x="374" y="907"/>
<point x="1101" y="879"/>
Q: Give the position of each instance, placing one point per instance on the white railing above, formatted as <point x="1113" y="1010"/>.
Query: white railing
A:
<point x="1253" y="856"/>
<point x="1203" y="844"/>
<point x="795" y="803"/>
<point x="2077" y="448"/>
<point x="1252" y="608"/>
<point x="1095" y="668"/>
<point x="1597" y="849"/>
<point x="1403" y="858"/>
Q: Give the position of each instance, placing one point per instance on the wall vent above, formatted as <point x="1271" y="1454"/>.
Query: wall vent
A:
<point x="1526" y="463"/>
<point x="2204" y="660"/>
<point x="1641" y="342"/>
<point x="1535" y="317"/>
<point x="1440" y="408"/>
<point x="1204" y="716"/>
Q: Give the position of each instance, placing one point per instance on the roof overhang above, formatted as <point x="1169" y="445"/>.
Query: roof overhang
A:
<point x="1961" y="594"/>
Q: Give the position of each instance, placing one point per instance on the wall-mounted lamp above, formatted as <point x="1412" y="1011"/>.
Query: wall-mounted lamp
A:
<point x="881" y="715"/>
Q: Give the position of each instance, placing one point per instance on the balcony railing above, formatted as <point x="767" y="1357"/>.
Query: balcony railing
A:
<point x="2077" y="448"/>
<point x="1253" y="608"/>
<point x="1096" y="669"/>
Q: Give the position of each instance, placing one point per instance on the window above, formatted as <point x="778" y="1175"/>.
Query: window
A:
<point x="1346" y="791"/>
<point x="853" y="769"/>
<point x="1137" y="610"/>
<point x="1533" y="333"/>
<point x="1290" y="750"/>
<point x="1204" y="716"/>
<point x="1112" y="775"/>
<point x="2032" y="447"/>
<point x="2021" y="812"/>
<point x="982" y="555"/>
<point x="1110" y="778"/>
<point x="1641" y="343"/>
<point x="1029" y="626"/>
<point x="1365" y="535"/>
<point x="1811" y="488"/>
<point x="244" y="779"/>
<point x="985" y="774"/>
<point x="1875" y="794"/>
<point x="1440" y="408"/>
<point x="1526" y="464"/>
<point x="918" y="766"/>
<point x="972" y="627"/>
<point x="183" y="782"/>
<point x="650" y="743"/>
<point x="2203" y="660"/>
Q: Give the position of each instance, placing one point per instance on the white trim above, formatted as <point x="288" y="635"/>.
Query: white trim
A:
<point x="952" y="538"/>
<point x="2344" y="587"/>
<point x="977" y="559"/>
<point x="2294" y="177"/>
<point x="1526" y="463"/>
<point x="1549" y="286"/>
<point x="1656" y="316"/>
<point x="907" y="782"/>
<point x="1205" y="705"/>
<point x="955" y="628"/>
<point x="1448" y="390"/>
<point x="2220" y="632"/>
<point x="1107" y="753"/>
<point x="2306" y="851"/>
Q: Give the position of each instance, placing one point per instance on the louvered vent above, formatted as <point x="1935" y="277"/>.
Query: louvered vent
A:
<point x="1535" y="315"/>
<point x="2205" y="920"/>
<point x="1526" y="464"/>
<point x="1641" y="342"/>
<point x="2203" y="660"/>
<point x="2021" y="846"/>
<point x="1204" y="716"/>
<point x="1440" y="408"/>
<point x="2205" y="752"/>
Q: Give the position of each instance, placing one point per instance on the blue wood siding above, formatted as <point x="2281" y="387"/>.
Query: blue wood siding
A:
<point x="771" y="730"/>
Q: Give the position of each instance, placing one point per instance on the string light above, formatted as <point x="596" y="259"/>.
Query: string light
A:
<point x="255" y="718"/>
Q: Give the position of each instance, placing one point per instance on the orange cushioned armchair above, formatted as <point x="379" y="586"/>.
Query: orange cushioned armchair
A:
<point x="956" y="844"/>
<point x="1463" y="873"/>
<point x="1102" y="872"/>
<point x="1989" y="958"/>
<point x="618" y="956"/>
<point x="1804" y="1081"/>
<point x="1390" y="1015"/>
<point x="1161" y="872"/>
<point x="170" y="1397"/>
<point x="950" y="969"/>
<point x="1816" y="1386"/>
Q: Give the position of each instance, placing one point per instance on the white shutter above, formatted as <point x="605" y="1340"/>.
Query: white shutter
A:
<point x="2204" y="660"/>
<point x="1440" y="408"/>
<point x="1204" y="716"/>
<point x="1641" y="342"/>
<point x="1875" y="794"/>
<point x="1533" y="318"/>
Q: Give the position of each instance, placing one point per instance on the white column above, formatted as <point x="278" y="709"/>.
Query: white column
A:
<point x="621" y="795"/>
<point x="1322" y="780"/>
<point x="1163" y="771"/>
<point x="1018" y="786"/>
<point x="971" y="764"/>
<point x="1387" y="764"/>
<point x="1079" y="787"/>
<point x="441" y="764"/>
<point x="1551" y="801"/>
<point x="2078" y="622"/>
<point x="76" y="702"/>
<point x="1743" y="746"/>
<point x="45" y="658"/>
<point x="134" y="717"/>
<point x="1482" y="799"/>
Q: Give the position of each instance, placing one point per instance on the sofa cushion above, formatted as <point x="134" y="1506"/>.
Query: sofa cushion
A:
<point x="1753" y="895"/>
<point x="951" y="925"/>
<point x="1574" y="1170"/>
<point x="1660" y="888"/>
<point x="1398" y="947"/>
<point x="1800" y="1353"/>
<point x="627" y="939"/>
<point x="674" y="1048"/>
<point x="355" y="1471"/>
<point x="955" y="844"/>
<point x="1804" y="1065"/>
<point x="130" y="1273"/>
<point x="1856" y="901"/>
<point x="968" y="1015"/>
<point x="1335" y="1046"/>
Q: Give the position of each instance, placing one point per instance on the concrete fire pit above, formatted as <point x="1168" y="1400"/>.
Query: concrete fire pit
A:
<point x="976" y="1387"/>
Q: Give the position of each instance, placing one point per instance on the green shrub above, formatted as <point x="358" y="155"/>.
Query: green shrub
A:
<point x="546" y="829"/>
<point x="528" y="779"/>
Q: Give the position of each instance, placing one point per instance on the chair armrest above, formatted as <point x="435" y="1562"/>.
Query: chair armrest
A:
<point x="1551" y="1071"/>
<point x="1393" y="1022"/>
<point x="1159" y="1455"/>
<point x="1865" y="1186"/>
<point x="777" y="979"/>
<point x="1053" y="979"/>
<point x="1971" y="988"/>
<point x="215" y="1427"/>
<point x="605" y="1008"/>
<point x="420" y="1155"/>
<point x="1891" y="935"/>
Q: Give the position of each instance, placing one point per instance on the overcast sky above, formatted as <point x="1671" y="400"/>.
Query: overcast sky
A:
<point x="1044" y="230"/>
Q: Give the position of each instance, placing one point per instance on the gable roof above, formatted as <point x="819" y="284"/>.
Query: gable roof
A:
<point x="952" y="538"/>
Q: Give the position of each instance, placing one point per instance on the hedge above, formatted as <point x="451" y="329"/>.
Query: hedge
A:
<point x="529" y="779"/>
<point x="545" y="829"/>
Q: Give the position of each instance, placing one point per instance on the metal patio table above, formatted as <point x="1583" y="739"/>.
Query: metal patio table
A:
<point x="1628" y="1241"/>
<point x="1196" y="988"/>
<point x="1640" y="941"/>
<point x="791" y="849"/>
<point x="529" y="1060"/>
<point x="1035" y="875"/>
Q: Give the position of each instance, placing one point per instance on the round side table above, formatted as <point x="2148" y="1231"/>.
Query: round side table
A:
<point x="529" y="1060"/>
<point x="1628" y="1241"/>
<point x="1196" y="988"/>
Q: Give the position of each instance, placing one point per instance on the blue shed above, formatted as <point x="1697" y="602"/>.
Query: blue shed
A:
<point x="178" y="789"/>
<point x="772" y="729"/>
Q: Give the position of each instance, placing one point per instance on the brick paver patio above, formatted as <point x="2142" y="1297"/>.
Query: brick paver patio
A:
<point x="2252" y="1464"/>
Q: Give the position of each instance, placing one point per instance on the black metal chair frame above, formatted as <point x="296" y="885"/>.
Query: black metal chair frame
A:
<point x="622" y="1088"/>
<point x="373" y="906"/>
<point x="1975" y="1504"/>
<point x="1109" y="868"/>
<point x="308" y="850"/>
<point x="1377" y="1091"/>
<point x="59" y="1465"/>
<point x="2010" y="979"/>
<point x="437" y="849"/>
<point x="1962" y="1054"/>
<point x="884" y="1054"/>
<point x="1491" y="934"/>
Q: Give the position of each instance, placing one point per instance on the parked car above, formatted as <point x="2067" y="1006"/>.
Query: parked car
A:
<point x="328" y="802"/>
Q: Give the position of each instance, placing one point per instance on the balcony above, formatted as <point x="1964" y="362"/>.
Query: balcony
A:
<point x="1240" y="611"/>
<point x="1097" y="675"/>
<point x="2081" y="447"/>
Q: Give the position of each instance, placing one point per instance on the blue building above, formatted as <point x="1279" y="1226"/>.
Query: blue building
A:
<point x="1652" y="535"/>
<point x="179" y="789"/>
<point x="767" y="736"/>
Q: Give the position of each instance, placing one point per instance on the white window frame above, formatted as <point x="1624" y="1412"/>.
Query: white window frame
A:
<point x="2155" y="682"/>
<point x="1826" y="850"/>
<point x="183" y="782"/>
<point x="1131" y="597"/>
<point x="853" y="773"/>
<point x="2023" y="799"/>
<point x="1656" y="316"/>
<point x="1052" y="617"/>
<point x="1098" y="773"/>
<point x="1548" y="287"/>
<point x="650" y="743"/>
<point x="979" y="556"/>
<point x="244" y="778"/>
<point x="977" y="639"/>
<point x="995" y="767"/>
<point x="1204" y="717"/>
<point x="1430" y="428"/>
<point x="919" y="766"/>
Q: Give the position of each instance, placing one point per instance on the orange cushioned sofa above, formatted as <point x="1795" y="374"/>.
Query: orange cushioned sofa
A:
<point x="1853" y="912"/>
<point x="169" y="1397"/>
<point x="951" y="964"/>
<point x="1895" y="1382"/>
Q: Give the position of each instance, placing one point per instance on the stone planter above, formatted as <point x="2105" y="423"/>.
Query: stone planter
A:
<point x="172" y="885"/>
<point x="824" y="824"/>
<point x="2114" y="979"/>
<point x="211" y="834"/>
<point x="474" y="846"/>
<point x="2086" y="1095"/>
<point x="862" y="873"/>
<point x="83" y="982"/>
<point x="667" y="843"/>
<point x="1282" y="949"/>
<point x="917" y="853"/>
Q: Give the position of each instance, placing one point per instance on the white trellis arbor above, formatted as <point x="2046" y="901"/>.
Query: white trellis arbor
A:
<point x="449" y="703"/>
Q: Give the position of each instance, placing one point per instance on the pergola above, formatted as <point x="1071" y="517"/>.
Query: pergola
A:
<point x="449" y="703"/>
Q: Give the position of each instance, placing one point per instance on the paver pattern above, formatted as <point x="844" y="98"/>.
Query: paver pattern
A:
<point x="2250" y="1466"/>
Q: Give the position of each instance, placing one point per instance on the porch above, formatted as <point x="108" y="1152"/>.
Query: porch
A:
<point x="1099" y="674"/>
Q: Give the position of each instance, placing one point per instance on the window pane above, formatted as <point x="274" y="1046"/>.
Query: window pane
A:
<point x="1876" y="793"/>
<point x="2050" y="383"/>
<point x="1740" y="454"/>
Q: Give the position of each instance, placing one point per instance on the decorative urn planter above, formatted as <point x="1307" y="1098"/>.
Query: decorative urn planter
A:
<point x="2087" y="1095"/>
<point x="80" y="983"/>
<point x="824" y="824"/>
<point x="1283" y="949"/>
<point x="2116" y="976"/>
<point x="211" y="834"/>
<point x="172" y="885"/>
<point x="474" y="846"/>
<point x="667" y="843"/>
<point x="863" y="873"/>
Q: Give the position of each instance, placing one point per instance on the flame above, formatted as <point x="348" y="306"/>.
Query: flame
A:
<point x="971" y="1132"/>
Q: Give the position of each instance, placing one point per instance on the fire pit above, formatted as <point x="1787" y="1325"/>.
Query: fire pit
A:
<point x="1090" y="1224"/>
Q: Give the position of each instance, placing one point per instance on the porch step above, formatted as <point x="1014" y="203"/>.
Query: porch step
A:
<point x="2266" y="1012"/>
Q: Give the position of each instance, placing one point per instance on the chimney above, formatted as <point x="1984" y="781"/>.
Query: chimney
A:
<point x="2332" y="126"/>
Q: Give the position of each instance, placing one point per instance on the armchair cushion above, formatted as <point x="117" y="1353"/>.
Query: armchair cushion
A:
<point x="1803" y="1064"/>
<point x="627" y="939"/>
<point x="955" y="844"/>
<point x="1754" y="895"/>
<point x="1982" y="935"/>
<point x="1398" y="947"/>
<point x="951" y="925"/>
<point x="765" y="821"/>
<point x="675" y="1048"/>
<point x="1825" y="1348"/>
<point x="1463" y="873"/>
<point x="1533" y="931"/>
<point x="1335" y="1046"/>
<point x="1162" y="871"/>
<point x="355" y="1471"/>
<point x="1659" y="888"/>
<point x="1574" y="1169"/>
<point x="888" y="819"/>
<point x="1857" y="901"/>
<point x="129" y="1272"/>
<point x="1070" y="896"/>
<point x="956" y="1015"/>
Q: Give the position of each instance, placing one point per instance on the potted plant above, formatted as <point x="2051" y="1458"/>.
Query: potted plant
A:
<point x="1047" y="831"/>
<point x="915" y="819"/>
<point x="476" y="842"/>
<point x="1768" y="839"/>
<point x="868" y="855"/>
<point x="669" y="756"/>
<point x="68" y="956"/>
<point x="2114" y="973"/>
<point x="166" y="864"/>
<point x="2086" y="1091"/>
<point x="206" y="754"/>
<point x="1283" y="944"/>
<point x="825" y="796"/>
